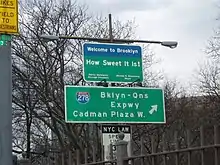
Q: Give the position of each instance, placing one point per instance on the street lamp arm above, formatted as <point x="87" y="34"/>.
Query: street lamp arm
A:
<point x="108" y="40"/>
<point x="49" y="37"/>
<point x="170" y="44"/>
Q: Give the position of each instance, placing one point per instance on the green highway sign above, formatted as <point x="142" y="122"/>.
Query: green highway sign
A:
<point x="2" y="43"/>
<point x="112" y="62"/>
<point x="4" y="39"/>
<point x="91" y="104"/>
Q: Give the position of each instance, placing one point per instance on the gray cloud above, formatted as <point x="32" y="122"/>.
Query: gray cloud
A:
<point x="117" y="6"/>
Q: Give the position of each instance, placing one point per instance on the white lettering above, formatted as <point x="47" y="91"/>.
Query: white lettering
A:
<point x="111" y="63"/>
<point x="124" y="105"/>
<point x="89" y="114"/>
<point x="102" y="94"/>
<point x="112" y="95"/>
<point x="75" y="113"/>
<point x="128" y="51"/>
<point x="121" y="114"/>
<point x="117" y="95"/>
<point x="136" y="105"/>
<point x="112" y="104"/>
<point x="140" y="114"/>
<point x="91" y="62"/>
<point x="139" y="95"/>
<point x="94" y="49"/>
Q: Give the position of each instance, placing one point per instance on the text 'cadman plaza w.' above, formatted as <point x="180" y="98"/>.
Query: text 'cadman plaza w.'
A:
<point x="112" y="62"/>
<point x="115" y="105"/>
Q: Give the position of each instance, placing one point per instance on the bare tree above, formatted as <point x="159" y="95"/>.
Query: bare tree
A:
<point x="209" y="72"/>
<point x="184" y="112"/>
<point x="41" y="69"/>
<point x="208" y="77"/>
<point x="213" y="47"/>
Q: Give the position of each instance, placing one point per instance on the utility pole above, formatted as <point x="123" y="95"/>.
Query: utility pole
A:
<point x="5" y="104"/>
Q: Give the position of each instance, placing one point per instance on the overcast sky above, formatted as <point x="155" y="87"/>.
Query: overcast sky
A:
<point x="190" y="22"/>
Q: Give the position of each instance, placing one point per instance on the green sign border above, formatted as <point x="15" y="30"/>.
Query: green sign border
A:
<point x="90" y="81"/>
<point x="111" y="122"/>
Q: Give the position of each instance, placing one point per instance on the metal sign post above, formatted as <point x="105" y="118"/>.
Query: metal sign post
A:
<point x="5" y="105"/>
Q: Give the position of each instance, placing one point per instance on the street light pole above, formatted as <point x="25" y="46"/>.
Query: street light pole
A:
<point x="5" y="105"/>
<point x="170" y="44"/>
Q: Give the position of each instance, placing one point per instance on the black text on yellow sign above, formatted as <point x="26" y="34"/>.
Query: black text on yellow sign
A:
<point x="8" y="16"/>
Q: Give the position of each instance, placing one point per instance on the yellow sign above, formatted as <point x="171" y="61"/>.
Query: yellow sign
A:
<point x="9" y="17"/>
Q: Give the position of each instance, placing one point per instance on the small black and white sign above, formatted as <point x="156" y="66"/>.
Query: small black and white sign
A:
<point x="116" y="128"/>
<point x="110" y="136"/>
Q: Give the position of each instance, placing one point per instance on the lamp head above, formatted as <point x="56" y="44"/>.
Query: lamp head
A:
<point x="170" y="44"/>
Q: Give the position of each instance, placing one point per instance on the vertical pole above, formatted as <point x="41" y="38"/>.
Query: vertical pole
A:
<point x="111" y="151"/>
<point x="216" y="141"/>
<point x="202" y="143"/>
<point x="164" y="149"/>
<point x="176" y="148"/>
<point x="5" y="105"/>
<point x="111" y="40"/>
<point x="110" y="28"/>
<point x="93" y="154"/>
<point x="121" y="150"/>
<point x="63" y="158"/>
<point x="142" y="150"/>
<point x="78" y="162"/>
<point x="110" y="34"/>
<point x="70" y="157"/>
<point x="153" y="158"/>
<point x="189" y="154"/>
<point x="86" y="156"/>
